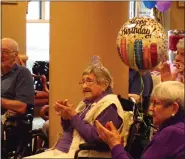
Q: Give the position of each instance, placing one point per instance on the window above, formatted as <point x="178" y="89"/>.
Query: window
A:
<point x="38" y="41"/>
<point x="37" y="32"/>
<point x="38" y="10"/>
<point x="138" y="9"/>
<point x="33" y="11"/>
<point x="132" y="10"/>
<point x="47" y="9"/>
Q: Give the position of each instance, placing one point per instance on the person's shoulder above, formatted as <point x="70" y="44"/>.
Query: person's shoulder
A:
<point x="24" y="69"/>
<point x="110" y="96"/>
<point x="24" y="72"/>
<point x="110" y="99"/>
<point x="176" y="129"/>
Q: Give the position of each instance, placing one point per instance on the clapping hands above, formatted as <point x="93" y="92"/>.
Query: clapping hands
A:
<point x="65" y="109"/>
<point x="170" y="72"/>
<point x="109" y="134"/>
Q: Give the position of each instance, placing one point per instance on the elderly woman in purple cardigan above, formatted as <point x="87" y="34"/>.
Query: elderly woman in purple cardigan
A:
<point x="79" y="124"/>
<point x="167" y="107"/>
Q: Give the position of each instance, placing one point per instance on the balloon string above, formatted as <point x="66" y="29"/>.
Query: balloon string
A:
<point x="142" y="88"/>
<point x="141" y="101"/>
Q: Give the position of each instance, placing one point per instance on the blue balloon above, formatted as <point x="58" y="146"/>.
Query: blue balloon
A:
<point x="149" y="4"/>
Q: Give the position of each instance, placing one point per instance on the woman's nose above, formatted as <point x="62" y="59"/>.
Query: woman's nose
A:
<point x="84" y="85"/>
<point x="151" y="107"/>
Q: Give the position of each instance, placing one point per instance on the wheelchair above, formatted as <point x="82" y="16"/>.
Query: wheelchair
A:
<point x="20" y="140"/>
<point x="17" y="136"/>
<point x="16" y="129"/>
<point x="139" y="133"/>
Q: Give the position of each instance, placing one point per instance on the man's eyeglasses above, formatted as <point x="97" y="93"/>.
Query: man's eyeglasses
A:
<point x="87" y="82"/>
<point x="7" y="52"/>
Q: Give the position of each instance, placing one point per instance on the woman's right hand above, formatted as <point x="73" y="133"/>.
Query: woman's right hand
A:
<point x="59" y="111"/>
<point x="109" y="134"/>
<point x="171" y="72"/>
<point x="168" y="72"/>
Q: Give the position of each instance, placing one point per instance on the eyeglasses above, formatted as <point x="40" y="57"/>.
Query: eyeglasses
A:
<point x="88" y="82"/>
<point x="7" y="52"/>
<point x="154" y="103"/>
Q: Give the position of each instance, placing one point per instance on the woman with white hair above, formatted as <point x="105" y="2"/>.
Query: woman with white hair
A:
<point x="167" y="107"/>
<point x="176" y="70"/>
<point x="79" y="124"/>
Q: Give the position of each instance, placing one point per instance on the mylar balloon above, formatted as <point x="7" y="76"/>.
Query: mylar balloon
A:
<point x="141" y="43"/>
<point x="163" y="5"/>
<point x="149" y="4"/>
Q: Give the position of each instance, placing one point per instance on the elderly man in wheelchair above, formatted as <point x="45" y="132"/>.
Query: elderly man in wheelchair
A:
<point x="17" y="98"/>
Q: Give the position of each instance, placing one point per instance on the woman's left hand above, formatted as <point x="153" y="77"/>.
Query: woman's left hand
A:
<point x="66" y="107"/>
<point x="109" y="134"/>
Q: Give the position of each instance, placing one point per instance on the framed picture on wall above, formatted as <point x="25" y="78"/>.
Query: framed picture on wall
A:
<point x="180" y="4"/>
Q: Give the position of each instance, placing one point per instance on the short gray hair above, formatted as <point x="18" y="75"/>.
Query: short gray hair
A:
<point x="101" y="73"/>
<point x="180" y="44"/>
<point x="170" y="92"/>
<point x="10" y="43"/>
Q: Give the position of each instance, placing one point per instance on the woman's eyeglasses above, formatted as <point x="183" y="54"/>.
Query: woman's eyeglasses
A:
<point x="87" y="82"/>
<point x="154" y="103"/>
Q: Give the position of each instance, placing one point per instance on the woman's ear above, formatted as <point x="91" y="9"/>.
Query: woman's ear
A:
<point x="175" y="108"/>
<point x="105" y="85"/>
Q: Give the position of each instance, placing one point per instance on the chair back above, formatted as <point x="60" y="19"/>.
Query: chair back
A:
<point x="128" y="116"/>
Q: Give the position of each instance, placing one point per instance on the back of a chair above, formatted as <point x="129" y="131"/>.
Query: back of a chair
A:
<point x="127" y="104"/>
<point x="128" y="116"/>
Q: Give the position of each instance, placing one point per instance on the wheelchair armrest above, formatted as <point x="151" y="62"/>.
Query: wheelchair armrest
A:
<point x="101" y="147"/>
<point x="41" y="150"/>
<point x="97" y="147"/>
<point x="21" y="117"/>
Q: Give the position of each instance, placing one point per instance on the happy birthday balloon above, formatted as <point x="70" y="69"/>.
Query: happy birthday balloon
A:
<point x="141" y="43"/>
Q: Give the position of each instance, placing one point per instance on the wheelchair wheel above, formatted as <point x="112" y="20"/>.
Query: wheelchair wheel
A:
<point x="29" y="145"/>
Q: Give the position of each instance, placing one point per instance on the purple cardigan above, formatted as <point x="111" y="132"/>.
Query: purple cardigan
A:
<point x="168" y="142"/>
<point x="87" y="131"/>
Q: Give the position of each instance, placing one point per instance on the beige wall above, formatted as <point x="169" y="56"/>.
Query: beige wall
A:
<point x="13" y="24"/>
<point x="176" y="17"/>
<point x="78" y="31"/>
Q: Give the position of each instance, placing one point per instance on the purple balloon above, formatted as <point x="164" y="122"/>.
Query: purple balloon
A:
<point x="163" y="5"/>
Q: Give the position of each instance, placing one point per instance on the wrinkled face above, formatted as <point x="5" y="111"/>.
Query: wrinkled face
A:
<point x="7" y="55"/>
<point x="160" y="112"/>
<point x="180" y="56"/>
<point x="91" y="89"/>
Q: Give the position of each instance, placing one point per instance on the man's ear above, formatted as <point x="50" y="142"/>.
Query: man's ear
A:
<point x="16" y="53"/>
